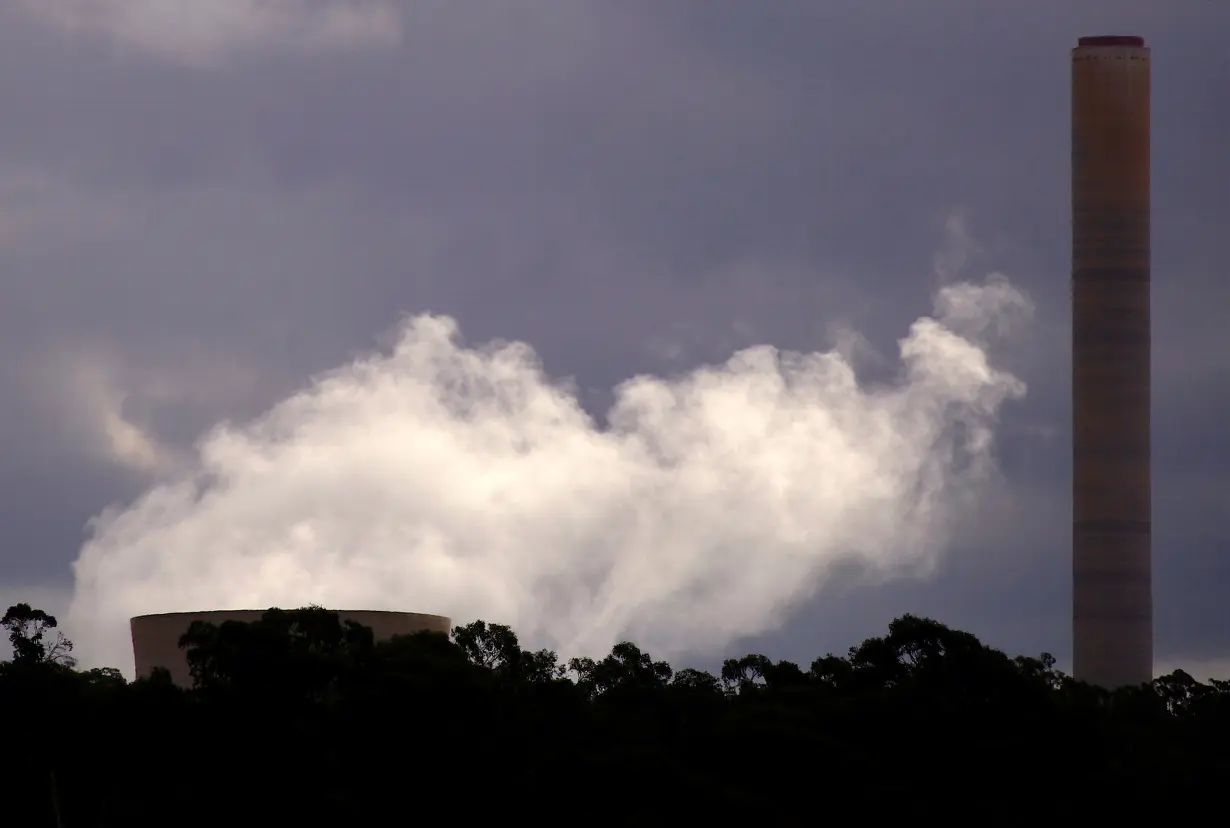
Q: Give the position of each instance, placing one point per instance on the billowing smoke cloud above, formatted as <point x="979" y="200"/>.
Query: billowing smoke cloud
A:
<point x="459" y="480"/>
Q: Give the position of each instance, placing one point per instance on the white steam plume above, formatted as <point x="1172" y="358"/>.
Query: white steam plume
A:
<point x="462" y="481"/>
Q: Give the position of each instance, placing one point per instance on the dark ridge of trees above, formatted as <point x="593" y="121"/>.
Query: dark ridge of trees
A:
<point x="301" y="719"/>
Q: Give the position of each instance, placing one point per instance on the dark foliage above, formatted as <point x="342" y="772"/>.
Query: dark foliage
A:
<point x="302" y="720"/>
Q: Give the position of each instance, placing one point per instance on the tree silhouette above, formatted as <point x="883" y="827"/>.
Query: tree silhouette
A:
<point x="299" y="718"/>
<point x="28" y="629"/>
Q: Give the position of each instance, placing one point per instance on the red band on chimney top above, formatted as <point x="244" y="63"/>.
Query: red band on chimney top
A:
<point x="1112" y="40"/>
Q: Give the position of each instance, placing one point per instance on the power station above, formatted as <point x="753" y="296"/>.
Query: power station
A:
<point x="155" y="638"/>
<point x="1112" y="601"/>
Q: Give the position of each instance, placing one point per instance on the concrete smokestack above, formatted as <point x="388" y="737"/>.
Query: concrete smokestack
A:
<point x="1112" y="612"/>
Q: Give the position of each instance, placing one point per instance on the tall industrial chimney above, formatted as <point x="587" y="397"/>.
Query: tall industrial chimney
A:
<point x="1112" y="601"/>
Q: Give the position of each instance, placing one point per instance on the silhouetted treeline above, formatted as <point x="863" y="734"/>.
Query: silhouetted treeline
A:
<point x="302" y="720"/>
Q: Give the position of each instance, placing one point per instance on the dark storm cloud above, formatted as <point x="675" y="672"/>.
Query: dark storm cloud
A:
<point x="628" y="186"/>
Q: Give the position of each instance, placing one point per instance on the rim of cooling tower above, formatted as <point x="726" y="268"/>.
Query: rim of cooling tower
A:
<point x="257" y="613"/>
<point x="156" y="636"/>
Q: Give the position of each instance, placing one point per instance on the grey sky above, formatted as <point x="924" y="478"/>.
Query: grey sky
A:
<point x="197" y="215"/>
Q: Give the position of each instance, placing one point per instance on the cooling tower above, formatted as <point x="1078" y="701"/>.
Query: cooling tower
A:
<point x="1112" y="612"/>
<point x="155" y="638"/>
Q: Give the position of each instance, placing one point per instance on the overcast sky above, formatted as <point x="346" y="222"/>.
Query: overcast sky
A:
<point x="203" y="210"/>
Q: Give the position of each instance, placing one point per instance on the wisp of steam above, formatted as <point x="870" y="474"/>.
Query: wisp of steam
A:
<point x="436" y="477"/>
